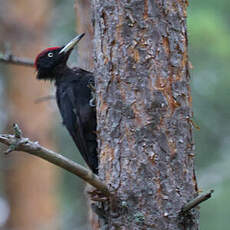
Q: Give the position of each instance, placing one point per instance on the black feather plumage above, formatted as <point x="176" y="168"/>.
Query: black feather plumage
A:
<point x="79" y="117"/>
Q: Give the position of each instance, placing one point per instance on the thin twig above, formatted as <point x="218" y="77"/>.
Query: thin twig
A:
<point x="12" y="59"/>
<point x="196" y="201"/>
<point x="45" y="98"/>
<point x="17" y="131"/>
<point x="34" y="148"/>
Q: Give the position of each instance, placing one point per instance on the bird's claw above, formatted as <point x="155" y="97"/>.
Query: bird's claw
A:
<point x="92" y="101"/>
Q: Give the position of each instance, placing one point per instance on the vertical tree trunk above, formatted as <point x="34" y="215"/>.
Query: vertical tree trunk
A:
<point x="144" y="112"/>
<point x="84" y="25"/>
<point x="30" y="182"/>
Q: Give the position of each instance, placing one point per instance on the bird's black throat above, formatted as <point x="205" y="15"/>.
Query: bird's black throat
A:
<point x="53" y="74"/>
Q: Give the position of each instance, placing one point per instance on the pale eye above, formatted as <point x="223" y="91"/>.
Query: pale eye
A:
<point x="50" y="54"/>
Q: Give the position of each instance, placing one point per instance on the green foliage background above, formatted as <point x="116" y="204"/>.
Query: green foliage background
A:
<point x="209" y="36"/>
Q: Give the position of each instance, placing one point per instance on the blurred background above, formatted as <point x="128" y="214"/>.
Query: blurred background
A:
<point x="34" y="194"/>
<point x="209" y="36"/>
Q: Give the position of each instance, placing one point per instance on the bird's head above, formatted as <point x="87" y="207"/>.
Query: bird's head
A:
<point x="51" y="60"/>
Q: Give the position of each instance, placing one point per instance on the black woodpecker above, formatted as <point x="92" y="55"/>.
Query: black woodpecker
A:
<point x="74" y="96"/>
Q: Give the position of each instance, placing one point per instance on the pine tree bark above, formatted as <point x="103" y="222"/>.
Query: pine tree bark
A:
<point x="144" y="113"/>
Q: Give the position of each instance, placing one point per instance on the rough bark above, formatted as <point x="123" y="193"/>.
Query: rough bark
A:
<point x="144" y="113"/>
<point x="30" y="182"/>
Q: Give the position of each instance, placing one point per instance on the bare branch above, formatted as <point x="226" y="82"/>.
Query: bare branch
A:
<point x="196" y="201"/>
<point x="8" y="58"/>
<point x="19" y="143"/>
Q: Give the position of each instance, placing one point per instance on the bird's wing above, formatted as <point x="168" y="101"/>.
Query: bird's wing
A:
<point x="72" y="120"/>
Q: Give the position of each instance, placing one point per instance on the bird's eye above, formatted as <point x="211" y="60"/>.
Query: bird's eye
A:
<point x="50" y="54"/>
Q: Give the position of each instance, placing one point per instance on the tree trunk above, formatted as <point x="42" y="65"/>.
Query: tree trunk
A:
<point x="144" y="111"/>
<point x="84" y="25"/>
<point x="30" y="182"/>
